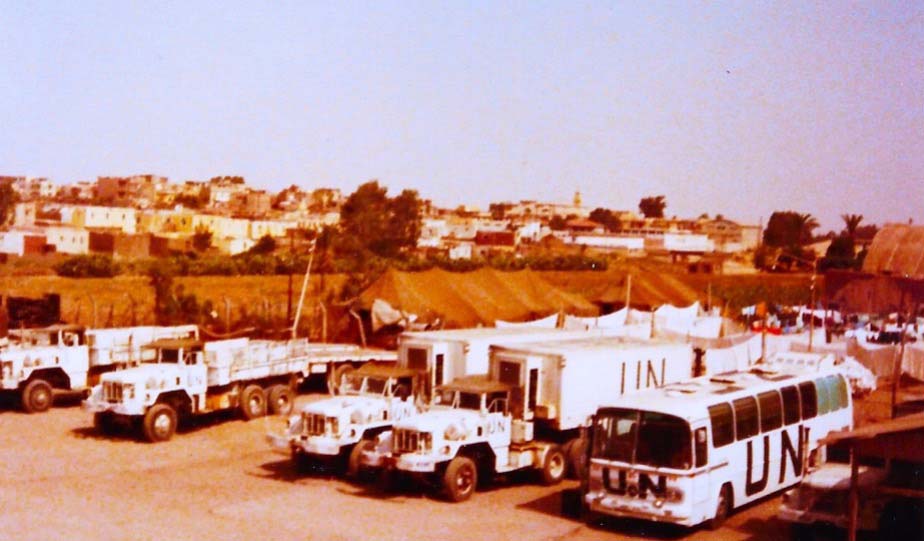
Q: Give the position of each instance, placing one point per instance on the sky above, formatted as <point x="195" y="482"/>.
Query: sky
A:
<point x="726" y="108"/>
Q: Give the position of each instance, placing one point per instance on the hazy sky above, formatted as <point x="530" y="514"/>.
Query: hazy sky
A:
<point x="735" y="108"/>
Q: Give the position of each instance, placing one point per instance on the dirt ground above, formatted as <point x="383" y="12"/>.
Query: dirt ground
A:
<point x="218" y="479"/>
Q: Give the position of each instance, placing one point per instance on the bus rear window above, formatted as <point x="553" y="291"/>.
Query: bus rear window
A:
<point x="790" y="405"/>
<point x="723" y="424"/>
<point x="809" y="400"/>
<point x="746" y="424"/>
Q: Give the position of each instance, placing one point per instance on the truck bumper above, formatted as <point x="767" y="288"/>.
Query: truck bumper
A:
<point x="416" y="463"/>
<point x="95" y="406"/>
<point x="374" y="459"/>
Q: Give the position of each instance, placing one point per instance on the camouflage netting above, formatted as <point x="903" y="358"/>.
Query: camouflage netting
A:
<point x="474" y="298"/>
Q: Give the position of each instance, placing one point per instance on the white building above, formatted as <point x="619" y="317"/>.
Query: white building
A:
<point x="677" y="242"/>
<point x="606" y="242"/>
<point x="68" y="240"/>
<point x="122" y="218"/>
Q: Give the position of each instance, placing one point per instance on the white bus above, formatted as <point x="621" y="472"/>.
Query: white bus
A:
<point x="691" y="452"/>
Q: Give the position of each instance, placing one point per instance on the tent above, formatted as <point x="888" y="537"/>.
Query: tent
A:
<point x="475" y="298"/>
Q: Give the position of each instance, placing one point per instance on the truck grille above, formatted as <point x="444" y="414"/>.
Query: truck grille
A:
<point x="312" y="424"/>
<point x="112" y="391"/>
<point x="411" y="441"/>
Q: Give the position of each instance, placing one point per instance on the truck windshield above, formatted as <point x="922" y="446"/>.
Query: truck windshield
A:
<point x="642" y="437"/>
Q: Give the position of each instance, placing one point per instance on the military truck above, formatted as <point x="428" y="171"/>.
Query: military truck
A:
<point x="189" y="377"/>
<point x="37" y="362"/>
<point x="526" y="414"/>
<point x="341" y="427"/>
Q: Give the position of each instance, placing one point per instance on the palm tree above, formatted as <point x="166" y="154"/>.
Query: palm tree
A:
<point x="851" y="224"/>
<point x="807" y="225"/>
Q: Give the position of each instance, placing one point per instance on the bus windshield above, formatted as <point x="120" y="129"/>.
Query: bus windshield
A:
<point x="642" y="437"/>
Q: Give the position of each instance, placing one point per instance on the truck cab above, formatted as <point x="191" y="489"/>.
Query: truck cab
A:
<point x="468" y="432"/>
<point x="36" y="361"/>
<point x="169" y="367"/>
<point x="370" y="399"/>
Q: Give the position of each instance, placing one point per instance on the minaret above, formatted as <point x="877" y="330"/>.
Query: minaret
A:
<point x="577" y="198"/>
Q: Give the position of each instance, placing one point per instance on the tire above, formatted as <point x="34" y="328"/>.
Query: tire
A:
<point x="722" y="508"/>
<point x="104" y="422"/>
<point x="554" y="466"/>
<point x="460" y="479"/>
<point x="280" y="400"/>
<point x="574" y="451"/>
<point x="337" y="376"/>
<point x="37" y="396"/>
<point x="301" y="462"/>
<point x="253" y="402"/>
<point x="354" y="468"/>
<point x="159" y="423"/>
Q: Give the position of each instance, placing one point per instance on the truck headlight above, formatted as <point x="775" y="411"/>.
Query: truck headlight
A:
<point x="444" y="449"/>
<point x="7" y="369"/>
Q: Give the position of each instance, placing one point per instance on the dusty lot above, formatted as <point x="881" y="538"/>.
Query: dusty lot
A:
<point x="219" y="480"/>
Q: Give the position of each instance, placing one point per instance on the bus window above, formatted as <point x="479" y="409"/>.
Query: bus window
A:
<point x="842" y="397"/>
<point x="663" y="441"/>
<point x="702" y="448"/>
<point x="614" y="434"/>
<point x="809" y="400"/>
<point x="746" y="424"/>
<point x="790" y="404"/>
<point x="723" y="424"/>
<point x="771" y="411"/>
<point x="826" y="395"/>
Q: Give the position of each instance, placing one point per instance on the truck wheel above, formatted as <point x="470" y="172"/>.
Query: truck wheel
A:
<point x="554" y="466"/>
<point x="574" y="451"/>
<point x="460" y="479"/>
<point x="159" y="423"/>
<point x="722" y="508"/>
<point x="104" y="422"/>
<point x="280" y="400"/>
<point x="354" y="465"/>
<point x="253" y="402"/>
<point x="337" y="376"/>
<point x="37" y="396"/>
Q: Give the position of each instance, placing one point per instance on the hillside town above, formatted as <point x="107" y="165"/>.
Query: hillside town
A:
<point x="149" y="216"/>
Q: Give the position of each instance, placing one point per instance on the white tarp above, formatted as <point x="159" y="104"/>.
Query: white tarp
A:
<point x="879" y="358"/>
<point x="609" y="321"/>
<point x="638" y="316"/>
<point x="677" y="319"/>
<point x="384" y="314"/>
<point x="729" y="354"/>
<point x="913" y="361"/>
<point x="549" y="322"/>
<point x="862" y="380"/>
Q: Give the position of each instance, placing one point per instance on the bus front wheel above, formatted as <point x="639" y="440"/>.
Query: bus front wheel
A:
<point x="722" y="508"/>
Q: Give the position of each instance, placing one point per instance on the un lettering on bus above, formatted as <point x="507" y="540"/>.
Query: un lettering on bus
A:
<point x="795" y="453"/>
<point x="621" y="486"/>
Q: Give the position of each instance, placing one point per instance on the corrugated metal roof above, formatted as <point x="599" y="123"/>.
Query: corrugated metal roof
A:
<point x="902" y="424"/>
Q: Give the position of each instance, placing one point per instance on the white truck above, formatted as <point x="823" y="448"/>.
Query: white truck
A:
<point x="38" y="362"/>
<point x="535" y="398"/>
<point x="190" y="377"/>
<point x="337" y="429"/>
<point x="368" y="404"/>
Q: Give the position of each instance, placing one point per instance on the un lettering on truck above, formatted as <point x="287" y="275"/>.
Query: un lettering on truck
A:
<point x="564" y="382"/>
